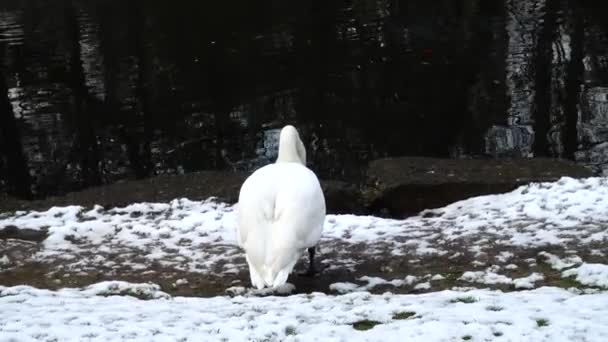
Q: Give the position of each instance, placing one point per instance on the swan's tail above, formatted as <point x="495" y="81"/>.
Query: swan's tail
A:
<point x="274" y="277"/>
<point x="275" y="280"/>
<point x="256" y="280"/>
<point x="267" y="276"/>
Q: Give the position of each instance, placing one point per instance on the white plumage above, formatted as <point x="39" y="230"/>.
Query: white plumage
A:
<point x="281" y="211"/>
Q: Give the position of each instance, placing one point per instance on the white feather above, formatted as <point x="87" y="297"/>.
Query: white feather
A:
<point x="281" y="211"/>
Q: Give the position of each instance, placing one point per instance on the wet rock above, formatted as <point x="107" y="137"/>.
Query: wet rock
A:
<point x="399" y="187"/>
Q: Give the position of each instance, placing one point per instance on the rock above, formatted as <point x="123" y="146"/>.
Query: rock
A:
<point x="195" y="186"/>
<point x="399" y="187"/>
<point x="340" y="197"/>
<point x="12" y="232"/>
<point x="395" y="187"/>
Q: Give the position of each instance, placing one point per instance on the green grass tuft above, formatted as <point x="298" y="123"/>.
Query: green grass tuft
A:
<point x="404" y="315"/>
<point x="494" y="308"/>
<point x="467" y="300"/>
<point x="290" y="330"/>
<point x="467" y="337"/>
<point x="569" y="282"/>
<point x="541" y="322"/>
<point x="365" y="324"/>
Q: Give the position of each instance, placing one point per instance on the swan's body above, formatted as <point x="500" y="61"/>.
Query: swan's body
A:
<point x="281" y="212"/>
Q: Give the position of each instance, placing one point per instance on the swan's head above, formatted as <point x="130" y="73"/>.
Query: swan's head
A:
<point x="291" y="148"/>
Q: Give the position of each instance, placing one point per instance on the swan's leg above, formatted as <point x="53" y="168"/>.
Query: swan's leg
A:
<point x="312" y="270"/>
<point x="311" y="257"/>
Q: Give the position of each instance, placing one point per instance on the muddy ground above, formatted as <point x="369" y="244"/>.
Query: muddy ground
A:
<point x="338" y="262"/>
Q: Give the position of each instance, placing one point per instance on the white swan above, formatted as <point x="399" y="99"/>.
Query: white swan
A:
<point x="281" y="211"/>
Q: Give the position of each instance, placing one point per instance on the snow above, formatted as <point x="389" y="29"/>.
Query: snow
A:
<point x="345" y="287"/>
<point x="179" y="282"/>
<point x="423" y="286"/>
<point x="110" y="288"/>
<point x="528" y="282"/>
<point x="185" y="233"/>
<point x="544" y="314"/>
<point x="373" y="282"/>
<point x="589" y="274"/>
<point x="437" y="277"/>
<point x="504" y="256"/>
<point x="284" y="289"/>
<point x="199" y="236"/>
<point x="503" y="241"/>
<point x="491" y="277"/>
<point x="4" y="260"/>
<point x="377" y="281"/>
<point x="486" y="277"/>
<point x="558" y="263"/>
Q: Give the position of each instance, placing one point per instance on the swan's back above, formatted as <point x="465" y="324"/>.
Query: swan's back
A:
<point x="281" y="213"/>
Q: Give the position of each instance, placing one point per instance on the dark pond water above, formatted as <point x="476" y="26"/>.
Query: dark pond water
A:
<point x="103" y="90"/>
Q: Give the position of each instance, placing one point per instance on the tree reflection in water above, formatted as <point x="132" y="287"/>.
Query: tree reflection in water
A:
<point x="104" y="90"/>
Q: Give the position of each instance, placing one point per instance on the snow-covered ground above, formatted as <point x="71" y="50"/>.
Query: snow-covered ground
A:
<point x="200" y="236"/>
<point x="545" y="314"/>
<point x="537" y="235"/>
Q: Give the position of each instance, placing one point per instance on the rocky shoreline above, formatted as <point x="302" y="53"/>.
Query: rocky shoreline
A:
<point x="394" y="187"/>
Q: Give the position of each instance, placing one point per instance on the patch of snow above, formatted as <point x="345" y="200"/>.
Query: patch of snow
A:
<point x="115" y="287"/>
<point x="531" y="261"/>
<point x="179" y="282"/>
<point x="589" y="274"/>
<point x="5" y="260"/>
<point x="504" y="256"/>
<point x="372" y="282"/>
<point x="377" y="281"/>
<point x="410" y="279"/>
<point x="345" y="287"/>
<point x="385" y="268"/>
<point x="463" y="288"/>
<point x="71" y="315"/>
<point x="455" y="255"/>
<point x="558" y="263"/>
<point x="437" y="277"/>
<point x="236" y="290"/>
<point x="528" y="282"/>
<point x="423" y="286"/>
<point x="489" y="276"/>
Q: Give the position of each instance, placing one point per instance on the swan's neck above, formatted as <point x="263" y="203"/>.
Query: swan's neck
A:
<point x="288" y="151"/>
